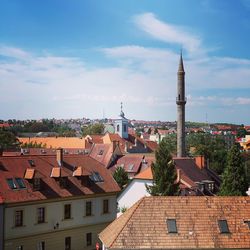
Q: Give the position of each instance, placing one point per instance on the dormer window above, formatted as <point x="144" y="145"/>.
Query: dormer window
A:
<point x="223" y="226"/>
<point x="124" y="128"/>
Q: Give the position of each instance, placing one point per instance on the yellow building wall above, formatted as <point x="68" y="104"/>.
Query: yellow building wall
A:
<point x="76" y="227"/>
<point x="55" y="240"/>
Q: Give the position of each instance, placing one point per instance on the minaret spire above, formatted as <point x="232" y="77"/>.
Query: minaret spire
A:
<point x="181" y="101"/>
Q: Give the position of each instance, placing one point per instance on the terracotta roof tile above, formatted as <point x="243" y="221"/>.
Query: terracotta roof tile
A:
<point x="16" y="167"/>
<point x="143" y="226"/>
<point x="56" y="142"/>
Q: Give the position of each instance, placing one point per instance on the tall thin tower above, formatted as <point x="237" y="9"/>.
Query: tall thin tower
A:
<point x="181" y="101"/>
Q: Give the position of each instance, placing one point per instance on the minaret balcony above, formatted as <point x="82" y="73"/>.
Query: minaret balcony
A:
<point x="180" y="101"/>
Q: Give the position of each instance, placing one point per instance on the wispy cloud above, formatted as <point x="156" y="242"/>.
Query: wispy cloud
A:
<point x="168" y="33"/>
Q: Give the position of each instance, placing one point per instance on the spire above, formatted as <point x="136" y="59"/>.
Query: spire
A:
<point x="122" y="113"/>
<point x="181" y="67"/>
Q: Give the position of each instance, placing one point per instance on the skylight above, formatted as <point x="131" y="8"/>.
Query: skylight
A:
<point x="20" y="183"/>
<point x="32" y="163"/>
<point x="11" y="183"/>
<point x="248" y="223"/>
<point x="101" y="152"/>
<point x="171" y="224"/>
<point x="96" y="177"/>
<point x="130" y="167"/>
<point x="223" y="226"/>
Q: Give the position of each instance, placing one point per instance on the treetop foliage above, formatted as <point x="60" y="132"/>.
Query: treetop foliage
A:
<point x="164" y="173"/>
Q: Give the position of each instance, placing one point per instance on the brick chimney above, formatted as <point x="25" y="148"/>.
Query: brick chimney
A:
<point x="200" y="161"/>
<point x="59" y="156"/>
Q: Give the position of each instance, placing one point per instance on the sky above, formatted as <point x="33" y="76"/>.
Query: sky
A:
<point x="81" y="58"/>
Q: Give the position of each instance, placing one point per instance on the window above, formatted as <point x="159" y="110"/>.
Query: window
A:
<point x="124" y="128"/>
<point x="105" y="206"/>
<point x="11" y="183"/>
<point x="96" y="177"/>
<point x="41" y="215"/>
<point x="101" y="152"/>
<point x="67" y="211"/>
<point x="19" y="218"/>
<point x="118" y="128"/>
<point x="223" y="226"/>
<point x="32" y="163"/>
<point x="19" y="247"/>
<point x="248" y="223"/>
<point x="171" y="224"/>
<point x="20" y="183"/>
<point x="130" y="167"/>
<point x="68" y="243"/>
<point x="41" y="245"/>
<point x="36" y="183"/>
<point x="89" y="239"/>
<point x="88" y="211"/>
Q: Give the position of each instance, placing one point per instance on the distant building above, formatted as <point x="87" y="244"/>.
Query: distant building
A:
<point x="167" y="222"/>
<point x="194" y="179"/>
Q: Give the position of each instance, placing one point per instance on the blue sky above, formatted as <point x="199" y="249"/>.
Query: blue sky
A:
<point x="72" y="59"/>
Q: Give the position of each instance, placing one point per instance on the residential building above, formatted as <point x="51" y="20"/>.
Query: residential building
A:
<point x="167" y="222"/>
<point x="193" y="176"/>
<point x="54" y="201"/>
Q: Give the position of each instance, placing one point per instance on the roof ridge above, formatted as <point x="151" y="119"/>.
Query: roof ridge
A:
<point x="136" y="206"/>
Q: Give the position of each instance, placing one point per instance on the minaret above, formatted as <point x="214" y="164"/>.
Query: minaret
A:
<point x="181" y="101"/>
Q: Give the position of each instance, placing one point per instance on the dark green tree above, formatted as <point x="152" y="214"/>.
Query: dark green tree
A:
<point x="234" y="180"/>
<point x="241" y="131"/>
<point x="94" y="129"/>
<point x="121" y="177"/>
<point x="164" y="173"/>
<point x="8" y="140"/>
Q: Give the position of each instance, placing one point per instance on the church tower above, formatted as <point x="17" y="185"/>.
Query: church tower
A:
<point x="181" y="101"/>
<point x="121" y="125"/>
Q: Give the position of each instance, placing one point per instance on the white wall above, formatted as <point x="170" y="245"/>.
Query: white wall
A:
<point x="133" y="192"/>
<point x="55" y="213"/>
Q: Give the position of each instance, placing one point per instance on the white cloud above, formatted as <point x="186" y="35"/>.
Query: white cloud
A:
<point x="168" y="33"/>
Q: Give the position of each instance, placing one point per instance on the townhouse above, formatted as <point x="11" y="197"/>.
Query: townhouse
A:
<point x="54" y="201"/>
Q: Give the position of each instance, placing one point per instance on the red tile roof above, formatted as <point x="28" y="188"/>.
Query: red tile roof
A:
<point x="16" y="166"/>
<point x="144" y="226"/>
<point x="102" y="153"/>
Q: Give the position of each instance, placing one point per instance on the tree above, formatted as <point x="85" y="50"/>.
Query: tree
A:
<point x="121" y="176"/>
<point x="7" y="139"/>
<point x="94" y="129"/>
<point x="234" y="180"/>
<point x="241" y="131"/>
<point x="164" y="173"/>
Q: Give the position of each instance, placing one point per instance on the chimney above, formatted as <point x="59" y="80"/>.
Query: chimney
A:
<point x="178" y="176"/>
<point x="200" y="161"/>
<point x="114" y="145"/>
<point x="135" y="142"/>
<point x="1" y="151"/>
<point x="126" y="147"/>
<point x="59" y="156"/>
